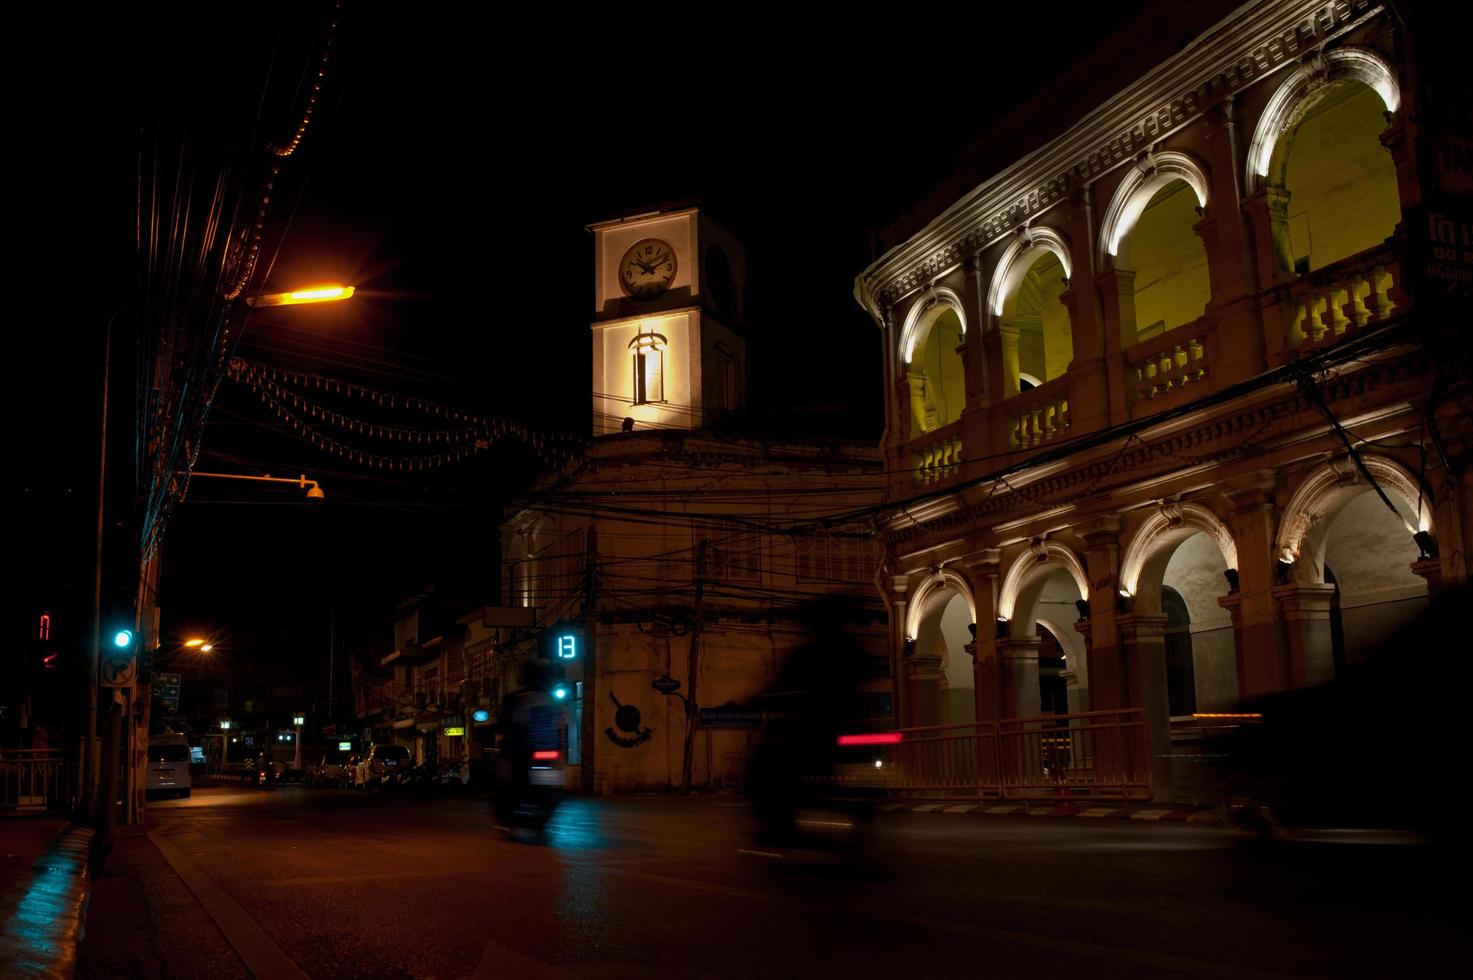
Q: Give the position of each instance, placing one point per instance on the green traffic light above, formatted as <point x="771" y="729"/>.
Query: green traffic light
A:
<point x="123" y="639"/>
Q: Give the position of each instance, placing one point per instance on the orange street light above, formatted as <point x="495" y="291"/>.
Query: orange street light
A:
<point x="195" y="642"/>
<point x="314" y="492"/>
<point x="315" y="294"/>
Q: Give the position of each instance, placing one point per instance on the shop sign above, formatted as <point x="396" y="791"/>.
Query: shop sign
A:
<point x="1441" y="234"/>
<point x="731" y="715"/>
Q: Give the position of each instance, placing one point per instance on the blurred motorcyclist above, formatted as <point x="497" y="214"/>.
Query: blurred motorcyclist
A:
<point x="528" y="721"/>
<point x="817" y="695"/>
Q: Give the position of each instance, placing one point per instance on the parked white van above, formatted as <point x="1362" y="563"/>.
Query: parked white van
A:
<point x="168" y="765"/>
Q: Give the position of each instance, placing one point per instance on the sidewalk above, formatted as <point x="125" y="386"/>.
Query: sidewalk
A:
<point x="43" y="895"/>
<point x="144" y="922"/>
<point x="22" y="840"/>
<point x="1096" y="809"/>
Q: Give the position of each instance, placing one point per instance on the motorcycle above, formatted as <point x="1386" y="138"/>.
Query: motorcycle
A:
<point x="816" y="791"/>
<point x="528" y="791"/>
<point x="454" y="778"/>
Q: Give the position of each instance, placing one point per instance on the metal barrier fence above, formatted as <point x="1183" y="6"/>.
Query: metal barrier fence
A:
<point x="1089" y="755"/>
<point x="34" y="779"/>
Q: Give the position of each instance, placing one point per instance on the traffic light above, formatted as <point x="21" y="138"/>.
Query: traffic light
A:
<point x="123" y="639"/>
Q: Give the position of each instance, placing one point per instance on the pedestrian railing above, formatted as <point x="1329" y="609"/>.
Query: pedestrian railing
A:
<point x="34" y="779"/>
<point x="1087" y="755"/>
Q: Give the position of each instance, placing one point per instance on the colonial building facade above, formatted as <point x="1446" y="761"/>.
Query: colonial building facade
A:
<point x="1172" y="417"/>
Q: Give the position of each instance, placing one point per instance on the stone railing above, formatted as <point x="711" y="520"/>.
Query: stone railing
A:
<point x="1326" y="305"/>
<point x="1038" y="415"/>
<point x="937" y="455"/>
<point x="1164" y="366"/>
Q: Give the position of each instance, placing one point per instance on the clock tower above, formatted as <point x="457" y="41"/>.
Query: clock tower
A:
<point x="669" y="306"/>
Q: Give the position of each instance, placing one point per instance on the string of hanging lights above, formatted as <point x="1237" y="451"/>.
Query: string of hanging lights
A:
<point x="200" y="258"/>
<point x="308" y="418"/>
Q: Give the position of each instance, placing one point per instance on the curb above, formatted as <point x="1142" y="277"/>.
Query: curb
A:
<point x="47" y="915"/>
<point x="1054" y="809"/>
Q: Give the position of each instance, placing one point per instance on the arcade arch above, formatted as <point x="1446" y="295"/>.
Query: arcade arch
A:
<point x="931" y="351"/>
<point x="1178" y="564"/>
<point x="1337" y="531"/>
<point x="1038" y="340"/>
<point x="1318" y="150"/>
<point x="944" y="634"/>
<point x="1039" y="602"/>
<point x="1026" y="297"/>
<point x="938" y="625"/>
<point x="1149" y="233"/>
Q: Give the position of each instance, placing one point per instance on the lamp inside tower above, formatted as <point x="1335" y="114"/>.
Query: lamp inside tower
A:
<point x="649" y="367"/>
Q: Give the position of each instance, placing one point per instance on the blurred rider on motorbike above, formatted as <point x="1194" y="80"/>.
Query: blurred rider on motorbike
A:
<point x="815" y="699"/>
<point x="528" y="721"/>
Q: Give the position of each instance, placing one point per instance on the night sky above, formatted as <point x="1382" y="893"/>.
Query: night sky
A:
<point x="462" y="156"/>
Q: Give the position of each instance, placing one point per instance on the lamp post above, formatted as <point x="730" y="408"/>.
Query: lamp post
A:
<point x="91" y="758"/>
<point x="298" y="721"/>
<point x="224" y="744"/>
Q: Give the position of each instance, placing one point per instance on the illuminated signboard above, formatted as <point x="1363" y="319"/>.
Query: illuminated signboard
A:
<point x="455" y="731"/>
<point x="345" y="746"/>
<point x="567" y="647"/>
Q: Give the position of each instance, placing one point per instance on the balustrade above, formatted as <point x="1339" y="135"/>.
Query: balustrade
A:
<point x="937" y="455"/>
<point x="1039" y="415"/>
<point x="1322" y="307"/>
<point x="1168" y="364"/>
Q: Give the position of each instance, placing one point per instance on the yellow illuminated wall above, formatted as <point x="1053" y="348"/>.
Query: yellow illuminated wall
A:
<point x="941" y="394"/>
<point x="1045" y="338"/>
<point x="613" y="380"/>
<point x="1170" y="262"/>
<point x="1341" y="181"/>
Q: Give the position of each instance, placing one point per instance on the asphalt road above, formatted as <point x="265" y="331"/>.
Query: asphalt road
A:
<point x="370" y="885"/>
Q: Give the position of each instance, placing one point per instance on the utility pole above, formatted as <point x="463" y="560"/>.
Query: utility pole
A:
<point x="135" y="741"/>
<point x="693" y="663"/>
<point x="586" y="741"/>
<point x="332" y="645"/>
<point x="91" y="752"/>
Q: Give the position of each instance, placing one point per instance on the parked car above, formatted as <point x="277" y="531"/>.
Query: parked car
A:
<point x="331" y="771"/>
<point x="382" y="765"/>
<point x="168" y="766"/>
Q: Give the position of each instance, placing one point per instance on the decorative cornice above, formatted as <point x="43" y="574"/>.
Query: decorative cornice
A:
<point x="1252" y="42"/>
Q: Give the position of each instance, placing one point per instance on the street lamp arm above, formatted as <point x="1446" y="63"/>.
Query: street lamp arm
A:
<point x="314" y="491"/>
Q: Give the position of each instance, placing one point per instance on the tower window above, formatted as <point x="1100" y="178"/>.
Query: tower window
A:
<point x="725" y="380"/>
<point x="649" y="368"/>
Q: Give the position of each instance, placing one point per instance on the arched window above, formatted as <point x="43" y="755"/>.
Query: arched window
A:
<point x="1338" y="181"/>
<point x="1045" y="341"/>
<point x="937" y="380"/>
<point x="1169" y="261"/>
<point x="649" y="368"/>
<point x="1149" y="234"/>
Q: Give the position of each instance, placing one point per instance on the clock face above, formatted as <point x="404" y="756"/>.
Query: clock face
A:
<point x="647" y="269"/>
